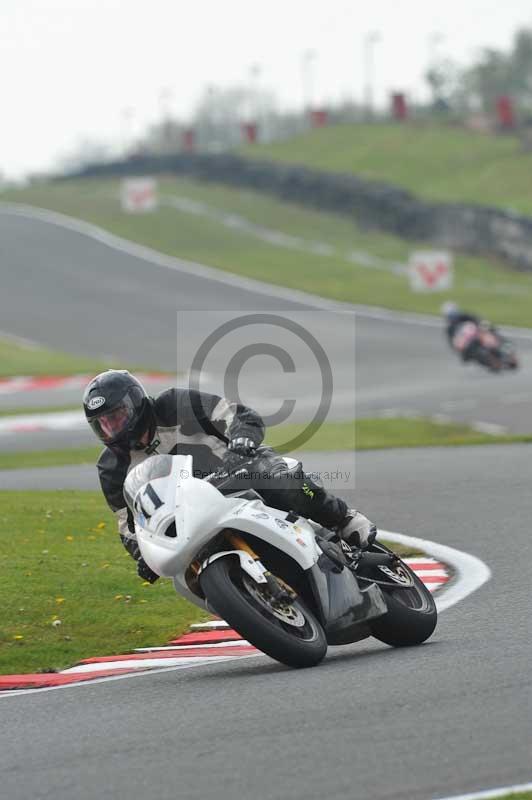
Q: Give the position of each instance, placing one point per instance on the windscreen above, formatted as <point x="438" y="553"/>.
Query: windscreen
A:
<point x="149" y="470"/>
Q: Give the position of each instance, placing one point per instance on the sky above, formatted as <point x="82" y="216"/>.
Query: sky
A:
<point x="104" y="69"/>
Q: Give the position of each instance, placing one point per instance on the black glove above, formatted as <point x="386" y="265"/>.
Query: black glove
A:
<point x="144" y="572"/>
<point x="232" y="461"/>
<point x="242" y="445"/>
<point x="358" y="530"/>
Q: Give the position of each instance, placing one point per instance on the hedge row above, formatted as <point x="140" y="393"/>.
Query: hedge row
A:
<point x="474" y="229"/>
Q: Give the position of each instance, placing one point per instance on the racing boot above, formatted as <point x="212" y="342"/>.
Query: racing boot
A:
<point x="332" y="512"/>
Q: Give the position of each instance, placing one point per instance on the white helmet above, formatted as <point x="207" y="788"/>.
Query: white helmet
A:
<point x="449" y="309"/>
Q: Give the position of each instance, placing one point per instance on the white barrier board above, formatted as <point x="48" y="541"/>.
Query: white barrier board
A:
<point x="138" y="195"/>
<point x="431" y="271"/>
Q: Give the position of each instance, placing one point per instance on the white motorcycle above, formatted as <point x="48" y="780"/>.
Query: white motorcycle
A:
<point x="280" y="580"/>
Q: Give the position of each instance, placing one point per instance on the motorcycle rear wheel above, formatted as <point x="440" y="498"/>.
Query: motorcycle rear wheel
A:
<point x="412" y="615"/>
<point x="299" y="641"/>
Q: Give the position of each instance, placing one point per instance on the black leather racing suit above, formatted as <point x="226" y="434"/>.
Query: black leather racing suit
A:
<point x="456" y="321"/>
<point x="194" y="423"/>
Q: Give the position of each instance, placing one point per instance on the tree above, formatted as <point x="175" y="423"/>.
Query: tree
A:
<point x="497" y="73"/>
<point x="220" y="112"/>
<point x="441" y="78"/>
<point x="487" y="79"/>
<point x="520" y="68"/>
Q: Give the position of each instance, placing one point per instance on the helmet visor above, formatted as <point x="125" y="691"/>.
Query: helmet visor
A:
<point x="113" y="425"/>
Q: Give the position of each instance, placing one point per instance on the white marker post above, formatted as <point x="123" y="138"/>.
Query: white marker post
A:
<point x="431" y="271"/>
<point x="138" y="195"/>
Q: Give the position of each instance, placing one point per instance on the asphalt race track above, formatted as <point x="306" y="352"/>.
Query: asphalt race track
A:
<point x="96" y="300"/>
<point x="371" y="723"/>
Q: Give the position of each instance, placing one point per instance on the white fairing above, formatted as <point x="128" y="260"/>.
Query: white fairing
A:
<point x="162" y="490"/>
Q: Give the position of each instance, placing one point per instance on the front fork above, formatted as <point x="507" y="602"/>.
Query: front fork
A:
<point x="280" y="590"/>
<point x="240" y="544"/>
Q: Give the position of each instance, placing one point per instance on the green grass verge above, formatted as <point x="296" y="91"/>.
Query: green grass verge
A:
<point x="516" y="796"/>
<point x="435" y="162"/>
<point x="489" y="287"/>
<point x="20" y="359"/>
<point x="363" y="434"/>
<point x="62" y="559"/>
<point x="378" y="434"/>
<point x="48" y="458"/>
<point x="32" y="410"/>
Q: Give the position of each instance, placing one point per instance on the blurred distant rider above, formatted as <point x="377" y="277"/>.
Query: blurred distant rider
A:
<point x="466" y="333"/>
<point x="219" y="435"/>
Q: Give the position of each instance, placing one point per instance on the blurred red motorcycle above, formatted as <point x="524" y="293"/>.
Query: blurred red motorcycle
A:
<point x="485" y="345"/>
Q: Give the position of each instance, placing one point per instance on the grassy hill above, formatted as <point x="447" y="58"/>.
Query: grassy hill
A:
<point x="438" y="163"/>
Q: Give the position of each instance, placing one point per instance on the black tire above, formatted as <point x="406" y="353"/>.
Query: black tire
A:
<point x="412" y="615"/>
<point x="224" y="585"/>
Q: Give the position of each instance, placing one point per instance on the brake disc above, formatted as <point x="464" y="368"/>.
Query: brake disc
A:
<point x="285" y="612"/>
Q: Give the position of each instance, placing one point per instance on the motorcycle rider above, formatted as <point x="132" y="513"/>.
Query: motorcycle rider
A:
<point x="465" y="339"/>
<point x="222" y="437"/>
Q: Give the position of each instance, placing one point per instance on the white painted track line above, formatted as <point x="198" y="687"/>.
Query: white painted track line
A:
<point x="182" y="265"/>
<point x="491" y="793"/>
<point x="145" y="663"/>
<point x="185" y="665"/>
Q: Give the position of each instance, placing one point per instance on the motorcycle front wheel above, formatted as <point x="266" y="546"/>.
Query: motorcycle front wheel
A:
<point x="287" y="632"/>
